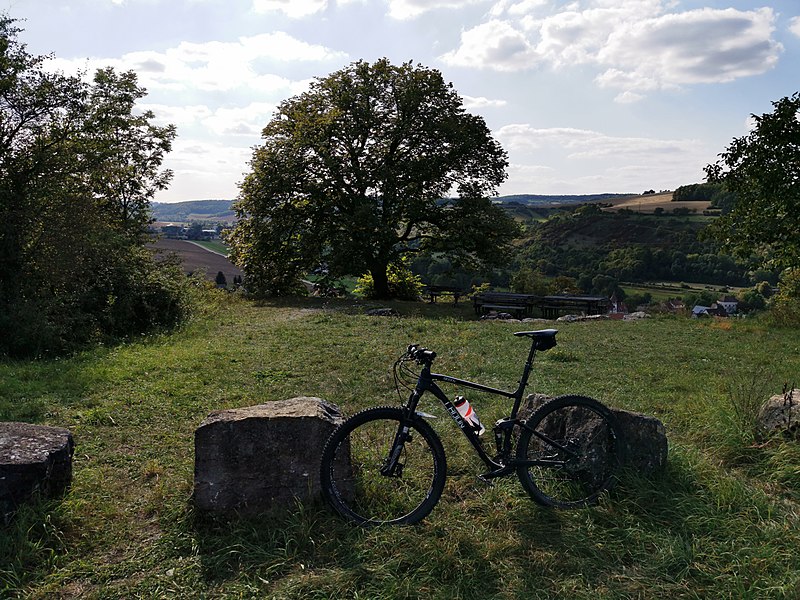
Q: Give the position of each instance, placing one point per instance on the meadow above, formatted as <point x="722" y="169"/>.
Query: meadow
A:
<point x="647" y="204"/>
<point x="721" y="521"/>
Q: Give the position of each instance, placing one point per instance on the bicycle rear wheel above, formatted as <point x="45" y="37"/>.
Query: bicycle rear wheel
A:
<point x="353" y="476"/>
<point x="573" y="452"/>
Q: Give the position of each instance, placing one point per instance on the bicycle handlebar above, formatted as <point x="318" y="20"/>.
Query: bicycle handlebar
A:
<point x="421" y="355"/>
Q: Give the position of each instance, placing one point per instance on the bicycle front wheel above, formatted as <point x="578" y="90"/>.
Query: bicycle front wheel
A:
<point x="570" y="452"/>
<point x="355" y="477"/>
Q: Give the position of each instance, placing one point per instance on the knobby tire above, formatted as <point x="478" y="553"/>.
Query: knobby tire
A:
<point x="351" y="478"/>
<point x="579" y="448"/>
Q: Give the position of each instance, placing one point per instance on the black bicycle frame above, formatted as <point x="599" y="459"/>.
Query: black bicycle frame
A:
<point x="427" y="383"/>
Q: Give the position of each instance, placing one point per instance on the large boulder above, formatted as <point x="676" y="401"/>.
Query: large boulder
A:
<point x="35" y="462"/>
<point x="645" y="436"/>
<point x="781" y="414"/>
<point x="259" y="458"/>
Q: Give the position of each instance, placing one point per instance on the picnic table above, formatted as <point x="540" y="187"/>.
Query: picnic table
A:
<point x="435" y="291"/>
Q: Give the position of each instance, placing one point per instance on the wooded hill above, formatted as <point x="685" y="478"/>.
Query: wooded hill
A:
<point x="629" y="247"/>
<point x="194" y="210"/>
<point x="573" y="236"/>
<point x="220" y="210"/>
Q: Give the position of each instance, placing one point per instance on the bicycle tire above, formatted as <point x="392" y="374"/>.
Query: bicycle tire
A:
<point x="350" y="470"/>
<point x="581" y="448"/>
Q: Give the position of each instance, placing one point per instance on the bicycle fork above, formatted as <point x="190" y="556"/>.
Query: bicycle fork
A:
<point x="393" y="467"/>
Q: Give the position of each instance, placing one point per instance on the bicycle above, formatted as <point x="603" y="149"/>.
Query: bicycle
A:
<point x="387" y="465"/>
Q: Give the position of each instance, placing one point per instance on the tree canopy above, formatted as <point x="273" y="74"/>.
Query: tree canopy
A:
<point x="359" y="171"/>
<point x="762" y="170"/>
<point x="78" y="168"/>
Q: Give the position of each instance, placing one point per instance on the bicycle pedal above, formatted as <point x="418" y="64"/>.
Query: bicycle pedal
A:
<point x="486" y="480"/>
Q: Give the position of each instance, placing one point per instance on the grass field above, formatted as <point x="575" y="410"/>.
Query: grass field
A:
<point x="213" y="246"/>
<point x="649" y="203"/>
<point x="661" y="291"/>
<point x="722" y="521"/>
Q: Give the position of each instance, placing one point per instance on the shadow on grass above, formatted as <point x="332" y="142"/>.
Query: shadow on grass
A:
<point x="30" y="544"/>
<point x="462" y="311"/>
<point x="684" y="532"/>
<point x="310" y="553"/>
<point x="33" y="391"/>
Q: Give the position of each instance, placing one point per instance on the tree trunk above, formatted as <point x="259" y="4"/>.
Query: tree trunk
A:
<point x="380" y="281"/>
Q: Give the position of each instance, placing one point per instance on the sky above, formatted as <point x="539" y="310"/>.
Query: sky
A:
<point x="586" y="96"/>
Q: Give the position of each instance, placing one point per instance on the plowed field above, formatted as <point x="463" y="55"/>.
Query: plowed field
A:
<point x="194" y="258"/>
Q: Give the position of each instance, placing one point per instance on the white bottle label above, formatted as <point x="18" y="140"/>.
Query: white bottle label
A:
<point x="466" y="411"/>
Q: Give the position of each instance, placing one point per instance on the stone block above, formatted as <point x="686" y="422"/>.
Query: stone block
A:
<point x="645" y="437"/>
<point x="781" y="415"/>
<point x="259" y="458"/>
<point x="35" y="461"/>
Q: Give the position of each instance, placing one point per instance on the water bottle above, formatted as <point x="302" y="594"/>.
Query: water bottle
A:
<point x="468" y="414"/>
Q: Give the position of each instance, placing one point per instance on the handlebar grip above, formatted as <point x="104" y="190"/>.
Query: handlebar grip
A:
<point x="425" y="356"/>
<point x="421" y="355"/>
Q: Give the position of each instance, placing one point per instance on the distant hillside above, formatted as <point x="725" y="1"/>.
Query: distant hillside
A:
<point x="194" y="210"/>
<point x="549" y="200"/>
<point x="220" y="210"/>
<point x="627" y="246"/>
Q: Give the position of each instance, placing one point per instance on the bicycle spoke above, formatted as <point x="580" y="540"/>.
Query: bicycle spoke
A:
<point x="365" y="491"/>
<point x="570" y="452"/>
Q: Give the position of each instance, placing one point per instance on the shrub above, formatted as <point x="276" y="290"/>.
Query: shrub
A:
<point x="118" y="293"/>
<point x="786" y="304"/>
<point x="403" y="284"/>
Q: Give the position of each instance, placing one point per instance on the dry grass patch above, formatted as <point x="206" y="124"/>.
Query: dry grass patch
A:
<point x="648" y="204"/>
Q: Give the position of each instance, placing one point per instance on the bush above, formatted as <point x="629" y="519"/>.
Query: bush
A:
<point x="122" y="292"/>
<point x="403" y="284"/>
<point x="786" y="304"/>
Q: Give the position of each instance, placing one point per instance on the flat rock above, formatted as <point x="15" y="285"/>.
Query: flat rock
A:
<point x="781" y="414"/>
<point x="645" y="436"/>
<point x="35" y="460"/>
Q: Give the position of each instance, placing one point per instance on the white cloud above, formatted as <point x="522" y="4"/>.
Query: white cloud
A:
<point x="699" y="46"/>
<point x="794" y="26"/>
<point x="583" y="143"/>
<point x="411" y="9"/>
<point x="526" y="137"/>
<point x="474" y="103"/>
<point x="180" y="116"/>
<point x="247" y="121"/>
<point x="628" y="97"/>
<point x="638" y="46"/>
<point x="241" y="121"/>
<point x="516" y="7"/>
<point x="215" y="66"/>
<point x="205" y="169"/>
<point x="397" y="9"/>
<point x="496" y="45"/>
<point x="295" y="9"/>
<point x="540" y="156"/>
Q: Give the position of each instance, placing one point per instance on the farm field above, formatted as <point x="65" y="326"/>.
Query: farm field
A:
<point x="213" y="246"/>
<point x="195" y="257"/>
<point x="647" y="204"/>
<point x="722" y="521"/>
<point x="666" y="290"/>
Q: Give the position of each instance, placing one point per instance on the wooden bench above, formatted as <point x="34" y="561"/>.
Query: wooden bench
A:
<point x="434" y="291"/>
<point x="520" y="305"/>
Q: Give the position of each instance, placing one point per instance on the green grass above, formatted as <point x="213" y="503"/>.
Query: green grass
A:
<point x="722" y="521"/>
<point x="214" y="246"/>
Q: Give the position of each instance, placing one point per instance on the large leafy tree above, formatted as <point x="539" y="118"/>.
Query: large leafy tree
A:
<point x="125" y="149"/>
<point x="762" y="170"/>
<point x="78" y="167"/>
<point x="360" y="170"/>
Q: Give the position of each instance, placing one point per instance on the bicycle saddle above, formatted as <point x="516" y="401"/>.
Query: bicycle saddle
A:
<point x="544" y="338"/>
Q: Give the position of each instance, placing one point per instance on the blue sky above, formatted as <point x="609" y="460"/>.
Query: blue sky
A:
<point x="586" y="96"/>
